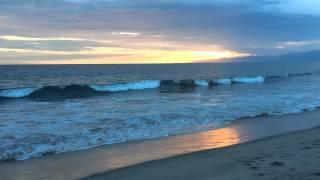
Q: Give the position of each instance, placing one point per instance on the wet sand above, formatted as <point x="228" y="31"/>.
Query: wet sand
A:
<point x="294" y="156"/>
<point x="76" y="165"/>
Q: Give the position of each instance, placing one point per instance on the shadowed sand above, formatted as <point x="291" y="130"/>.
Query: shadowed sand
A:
<point x="293" y="156"/>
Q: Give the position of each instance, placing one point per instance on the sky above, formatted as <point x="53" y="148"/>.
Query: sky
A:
<point x="154" y="31"/>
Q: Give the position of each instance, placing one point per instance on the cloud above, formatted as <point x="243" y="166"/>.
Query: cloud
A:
<point x="284" y="6"/>
<point x="24" y="38"/>
<point x="159" y="51"/>
<point x="299" y="44"/>
<point x="125" y="33"/>
<point x="243" y="26"/>
<point x="303" y="7"/>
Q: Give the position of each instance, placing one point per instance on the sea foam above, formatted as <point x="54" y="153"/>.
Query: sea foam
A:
<point x="16" y="93"/>
<point x="257" y="79"/>
<point x="149" y="84"/>
<point x="223" y="81"/>
<point x="201" y="83"/>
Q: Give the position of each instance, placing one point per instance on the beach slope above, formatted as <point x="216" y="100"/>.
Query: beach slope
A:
<point x="294" y="156"/>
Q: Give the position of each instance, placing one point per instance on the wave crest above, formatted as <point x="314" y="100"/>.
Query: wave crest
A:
<point x="151" y="84"/>
<point x="79" y="91"/>
<point x="56" y="92"/>
<point x="257" y="79"/>
<point x="16" y="93"/>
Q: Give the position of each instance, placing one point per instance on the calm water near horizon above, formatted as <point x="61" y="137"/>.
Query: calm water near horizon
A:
<point x="61" y="108"/>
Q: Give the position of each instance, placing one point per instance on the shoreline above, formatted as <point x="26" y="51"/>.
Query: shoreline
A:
<point x="79" y="164"/>
<point x="230" y="123"/>
<point x="293" y="156"/>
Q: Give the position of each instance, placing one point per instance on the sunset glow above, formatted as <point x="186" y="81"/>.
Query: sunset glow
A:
<point x="115" y="51"/>
<point x="138" y="32"/>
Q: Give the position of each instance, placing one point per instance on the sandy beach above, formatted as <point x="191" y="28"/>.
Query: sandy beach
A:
<point x="294" y="156"/>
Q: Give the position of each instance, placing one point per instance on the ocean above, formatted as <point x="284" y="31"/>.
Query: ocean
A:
<point x="46" y="109"/>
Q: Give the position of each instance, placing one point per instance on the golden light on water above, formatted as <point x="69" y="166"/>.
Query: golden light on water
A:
<point x="218" y="138"/>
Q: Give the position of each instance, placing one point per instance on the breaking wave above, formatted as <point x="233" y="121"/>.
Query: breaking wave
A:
<point x="77" y="125"/>
<point x="16" y="93"/>
<point x="127" y="86"/>
<point x="258" y="79"/>
<point x="80" y="91"/>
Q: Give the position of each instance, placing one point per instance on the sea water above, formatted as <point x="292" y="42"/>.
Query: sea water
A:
<point x="61" y="108"/>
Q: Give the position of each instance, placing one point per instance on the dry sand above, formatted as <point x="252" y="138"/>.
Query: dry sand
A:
<point x="294" y="156"/>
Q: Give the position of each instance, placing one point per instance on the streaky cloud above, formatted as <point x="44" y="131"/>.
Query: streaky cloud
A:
<point x="24" y="38"/>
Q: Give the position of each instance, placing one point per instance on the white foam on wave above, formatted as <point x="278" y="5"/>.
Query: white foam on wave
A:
<point x="16" y="93"/>
<point x="139" y="85"/>
<point x="201" y="83"/>
<point x="223" y="81"/>
<point x="257" y="79"/>
<point x="149" y="84"/>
